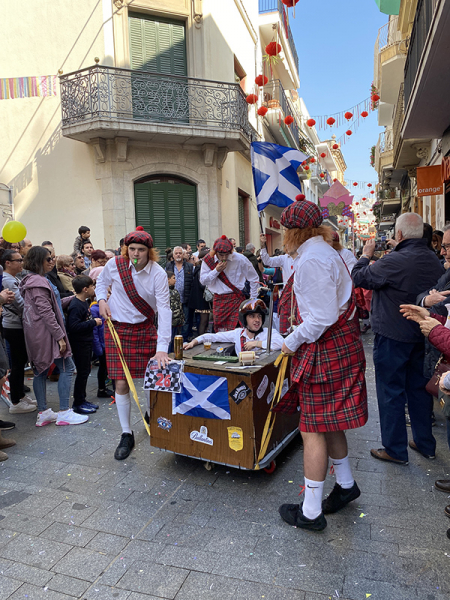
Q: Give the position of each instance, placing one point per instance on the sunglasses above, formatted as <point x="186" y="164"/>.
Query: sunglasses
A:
<point x="49" y="259"/>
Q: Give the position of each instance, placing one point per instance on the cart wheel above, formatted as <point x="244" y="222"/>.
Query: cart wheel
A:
<point x="208" y="466"/>
<point x="271" y="468"/>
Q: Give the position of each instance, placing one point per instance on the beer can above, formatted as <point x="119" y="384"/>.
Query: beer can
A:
<point x="178" y="347"/>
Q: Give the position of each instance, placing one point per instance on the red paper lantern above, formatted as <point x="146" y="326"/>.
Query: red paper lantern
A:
<point x="322" y="175"/>
<point x="310" y="122"/>
<point x="331" y="121"/>
<point x="375" y="98"/>
<point x="273" y="48"/>
<point x="300" y="197"/>
<point x="252" y="99"/>
<point x="323" y="155"/>
<point x="262" y="111"/>
<point x="364" y="199"/>
<point x="289" y="3"/>
<point x="312" y="160"/>
<point x="289" y="120"/>
<point x="261" y="80"/>
<point x="356" y="203"/>
<point x="349" y="132"/>
<point x="335" y="146"/>
<point x="355" y="183"/>
<point x="369" y="185"/>
<point x="348" y="115"/>
<point x="306" y="168"/>
<point x="364" y="114"/>
<point x="334" y="180"/>
<point x="372" y="192"/>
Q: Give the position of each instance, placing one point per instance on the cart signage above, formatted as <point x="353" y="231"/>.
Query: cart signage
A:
<point x="201" y="436"/>
<point x="240" y="392"/>
<point x="235" y="438"/>
<point x="262" y="387"/>
<point x="163" y="380"/>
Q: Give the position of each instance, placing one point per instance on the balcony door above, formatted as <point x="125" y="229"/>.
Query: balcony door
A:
<point x="167" y="209"/>
<point x="158" y="46"/>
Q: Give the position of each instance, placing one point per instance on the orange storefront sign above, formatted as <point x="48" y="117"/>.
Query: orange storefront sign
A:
<point x="429" y="181"/>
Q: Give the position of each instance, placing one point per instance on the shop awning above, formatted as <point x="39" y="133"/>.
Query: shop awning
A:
<point x="389" y="7"/>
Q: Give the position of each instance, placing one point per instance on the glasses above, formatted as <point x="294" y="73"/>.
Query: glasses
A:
<point x="50" y="259"/>
<point x="16" y="260"/>
<point x="445" y="247"/>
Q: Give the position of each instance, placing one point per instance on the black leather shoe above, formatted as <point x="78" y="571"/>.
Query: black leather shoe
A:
<point x="443" y="485"/>
<point x="414" y="447"/>
<point x="125" y="446"/>
<point x="340" y="497"/>
<point x="293" y="515"/>
<point x="83" y="409"/>
<point x="106" y="393"/>
<point x="447" y="510"/>
<point x="5" y="425"/>
<point x="92" y="405"/>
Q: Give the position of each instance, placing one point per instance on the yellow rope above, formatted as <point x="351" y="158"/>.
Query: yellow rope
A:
<point x="282" y="362"/>
<point x="126" y="370"/>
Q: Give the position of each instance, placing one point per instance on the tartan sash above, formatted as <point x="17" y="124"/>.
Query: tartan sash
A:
<point x="223" y="278"/>
<point x="128" y="285"/>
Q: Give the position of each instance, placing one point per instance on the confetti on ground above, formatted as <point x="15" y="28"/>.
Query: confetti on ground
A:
<point x="362" y="515"/>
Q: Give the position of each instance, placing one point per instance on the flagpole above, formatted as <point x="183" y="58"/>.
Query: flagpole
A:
<point x="260" y="223"/>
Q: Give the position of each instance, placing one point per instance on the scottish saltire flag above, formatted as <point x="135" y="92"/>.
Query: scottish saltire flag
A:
<point x="275" y="174"/>
<point x="202" y="396"/>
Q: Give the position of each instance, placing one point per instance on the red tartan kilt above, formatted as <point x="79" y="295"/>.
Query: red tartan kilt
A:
<point x="138" y="346"/>
<point x="226" y="311"/>
<point x="284" y="312"/>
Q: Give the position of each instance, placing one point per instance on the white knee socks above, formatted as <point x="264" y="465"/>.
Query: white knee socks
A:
<point x="312" y="505"/>
<point x="123" y="403"/>
<point x="343" y="472"/>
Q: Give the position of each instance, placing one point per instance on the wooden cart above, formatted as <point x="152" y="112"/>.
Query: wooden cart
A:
<point x="235" y="442"/>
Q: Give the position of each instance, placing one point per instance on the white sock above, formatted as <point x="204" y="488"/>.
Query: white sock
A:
<point x="123" y="403"/>
<point x="343" y="472"/>
<point x="312" y="505"/>
<point x="147" y="400"/>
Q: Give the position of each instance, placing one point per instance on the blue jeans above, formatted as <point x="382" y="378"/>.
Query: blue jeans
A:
<point x="66" y="368"/>
<point x="399" y="380"/>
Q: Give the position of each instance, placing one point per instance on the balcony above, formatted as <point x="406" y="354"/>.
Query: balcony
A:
<point x="289" y="66"/>
<point x="106" y="102"/>
<point x="427" y="85"/>
<point x="275" y="98"/>
<point x="384" y="151"/>
<point x="390" y="56"/>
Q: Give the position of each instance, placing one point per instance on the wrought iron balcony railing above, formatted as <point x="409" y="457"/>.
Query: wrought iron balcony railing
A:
<point x="399" y="116"/>
<point x="268" y="6"/>
<point x="110" y="94"/>
<point x="274" y="97"/>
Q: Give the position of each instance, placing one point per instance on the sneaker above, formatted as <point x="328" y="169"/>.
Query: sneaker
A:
<point x="22" y="407"/>
<point x="125" y="446"/>
<point x="5" y="425"/>
<point x="83" y="409"/>
<point x="339" y="498"/>
<point x="293" y="515"/>
<point x="46" y="417"/>
<point x="106" y="393"/>
<point x="26" y="389"/>
<point x="69" y="417"/>
<point x="29" y="400"/>
<point x="92" y="405"/>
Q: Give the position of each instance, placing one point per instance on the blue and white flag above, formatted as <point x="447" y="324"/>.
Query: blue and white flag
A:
<point x="275" y="174"/>
<point x="202" y="396"/>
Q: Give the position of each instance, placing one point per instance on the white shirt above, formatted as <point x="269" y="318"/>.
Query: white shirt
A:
<point x="238" y="270"/>
<point x="151" y="284"/>
<point x="322" y="287"/>
<point x="349" y="258"/>
<point x="285" y="261"/>
<point x="235" y="336"/>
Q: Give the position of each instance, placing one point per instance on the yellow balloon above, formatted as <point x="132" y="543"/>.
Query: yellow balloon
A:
<point x="14" y="232"/>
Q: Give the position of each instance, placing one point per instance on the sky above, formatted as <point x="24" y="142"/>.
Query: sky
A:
<point x="335" y="42"/>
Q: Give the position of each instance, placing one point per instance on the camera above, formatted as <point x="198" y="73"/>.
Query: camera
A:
<point x="381" y="247"/>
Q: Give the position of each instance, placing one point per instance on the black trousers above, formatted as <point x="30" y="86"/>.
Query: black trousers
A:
<point x="102" y="373"/>
<point x="19" y="359"/>
<point x="82" y="352"/>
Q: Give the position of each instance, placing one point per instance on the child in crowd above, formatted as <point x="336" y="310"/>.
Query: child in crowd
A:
<point x="84" y="233"/>
<point x="176" y="308"/>
<point x="99" y="345"/>
<point x="80" y="328"/>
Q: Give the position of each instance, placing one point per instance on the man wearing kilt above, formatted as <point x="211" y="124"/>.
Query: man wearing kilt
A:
<point x="328" y="365"/>
<point x="224" y="272"/>
<point x="139" y="290"/>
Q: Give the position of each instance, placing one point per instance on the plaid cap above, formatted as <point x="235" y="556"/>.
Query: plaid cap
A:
<point x="139" y="237"/>
<point x="300" y="215"/>
<point x="223" y="245"/>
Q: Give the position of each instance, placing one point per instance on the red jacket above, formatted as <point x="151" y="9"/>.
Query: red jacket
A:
<point x="440" y="337"/>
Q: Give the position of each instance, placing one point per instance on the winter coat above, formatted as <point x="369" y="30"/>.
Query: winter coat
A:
<point x="188" y="271"/>
<point x="12" y="313"/>
<point x="53" y="277"/>
<point x="43" y="323"/>
<point x="440" y="338"/>
<point x="66" y="281"/>
<point x="99" y="332"/>
<point x="253" y="259"/>
<point x="196" y="299"/>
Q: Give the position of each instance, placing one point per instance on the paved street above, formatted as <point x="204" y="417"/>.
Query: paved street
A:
<point x="75" y="523"/>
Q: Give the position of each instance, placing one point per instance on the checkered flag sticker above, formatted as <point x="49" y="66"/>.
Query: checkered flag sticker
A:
<point x="164" y="380"/>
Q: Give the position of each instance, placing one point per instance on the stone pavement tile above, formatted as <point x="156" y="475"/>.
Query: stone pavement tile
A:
<point x="409" y="536"/>
<point x="253" y="591"/>
<point x="137" y="596"/>
<point x="12" y="498"/>
<point x="115" y="571"/>
<point x="38" y="593"/>
<point x="356" y="588"/>
<point x="6" y="536"/>
<point x="188" y="558"/>
<point x="140" y="549"/>
<point x="68" y="534"/>
<point x="35" y="551"/>
<point x="8" y="586"/>
<point x="26" y="573"/>
<point x="68" y="585"/>
<point x="38" y="505"/>
<point x="24" y="523"/>
<point x="148" y="503"/>
<point x="367" y="499"/>
<point x="5" y="564"/>
<point x="21" y="461"/>
<point x="253" y="568"/>
<point x="98" y="493"/>
<point x="108" y="543"/>
<point x="103" y="592"/>
<point x="309" y="580"/>
<point x="74" y="513"/>
<point x="203" y="586"/>
<point x="348" y="544"/>
<point x="110" y="521"/>
<point x="151" y="530"/>
<point x="230" y="544"/>
<point x="85" y="473"/>
<point x="158" y="580"/>
<point x="83" y="564"/>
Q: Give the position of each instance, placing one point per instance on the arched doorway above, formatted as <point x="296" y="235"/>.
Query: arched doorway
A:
<point x="166" y="207"/>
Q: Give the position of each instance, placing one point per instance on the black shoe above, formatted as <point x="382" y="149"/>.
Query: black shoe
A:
<point x="339" y="497"/>
<point x="106" y="393"/>
<point x="26" y="389"/>
<point x="125" y="446"/>
<point x="95" y="363"/>
<point x="83" y="409"/>
<point x="5" y="425"/>
<point x="293" y="515"/>
<point x="91" y="405"/>
<point x="147" y="418"/>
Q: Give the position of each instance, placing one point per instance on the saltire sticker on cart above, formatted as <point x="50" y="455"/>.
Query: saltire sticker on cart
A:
<point x="203" y="396"/>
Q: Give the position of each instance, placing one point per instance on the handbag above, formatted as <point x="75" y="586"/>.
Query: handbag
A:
<point x="444" y="401"/>
<point x="442" y="366"/>
<point x="207" y="295"/>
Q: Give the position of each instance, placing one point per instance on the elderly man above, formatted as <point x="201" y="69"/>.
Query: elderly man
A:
<point x="25" y="245"/>
<point x="225" y="272"/>
<point x="399" y="348"/>
<point x="183" y="284"/>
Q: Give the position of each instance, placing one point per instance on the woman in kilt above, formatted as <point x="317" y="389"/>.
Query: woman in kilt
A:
<point x="139" y="290"/>
<point x="328" y="365"/>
